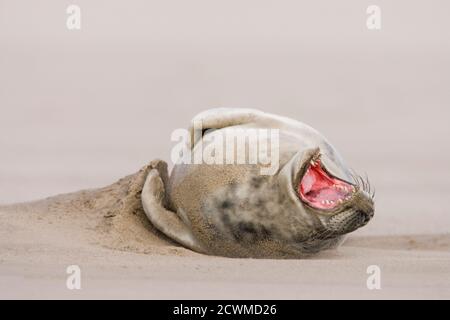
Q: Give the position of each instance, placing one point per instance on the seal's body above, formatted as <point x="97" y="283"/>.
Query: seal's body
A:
<point x="306" y="205"/>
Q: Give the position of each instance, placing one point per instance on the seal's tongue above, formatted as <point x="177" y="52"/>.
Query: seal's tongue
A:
<point x="320" y="190"/>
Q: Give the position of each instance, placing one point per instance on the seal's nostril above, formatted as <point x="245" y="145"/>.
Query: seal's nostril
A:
<point x="366" y="216"/>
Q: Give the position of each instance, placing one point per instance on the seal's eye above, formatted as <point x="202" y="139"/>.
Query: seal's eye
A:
<point x="322" y="191"/>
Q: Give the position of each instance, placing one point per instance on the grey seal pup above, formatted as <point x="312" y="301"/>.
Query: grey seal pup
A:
<point x="308" y="203"/>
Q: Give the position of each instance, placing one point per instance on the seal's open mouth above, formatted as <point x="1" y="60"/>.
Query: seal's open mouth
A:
<point x="322" y="191"/>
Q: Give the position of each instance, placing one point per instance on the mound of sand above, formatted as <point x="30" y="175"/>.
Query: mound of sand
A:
<point x="107" y="234"/>
<point x="110" y="217"/>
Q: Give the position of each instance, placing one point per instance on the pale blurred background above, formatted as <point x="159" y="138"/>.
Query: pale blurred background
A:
<point x="81" y="109"/>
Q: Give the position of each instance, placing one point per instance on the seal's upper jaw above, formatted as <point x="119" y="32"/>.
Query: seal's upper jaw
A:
<point x="320" y="190"/>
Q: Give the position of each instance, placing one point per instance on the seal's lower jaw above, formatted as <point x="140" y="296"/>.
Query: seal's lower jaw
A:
<point x="320" y="190"/>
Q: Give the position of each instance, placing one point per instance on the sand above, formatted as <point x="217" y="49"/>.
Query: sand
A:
<point x="106" y="234"/>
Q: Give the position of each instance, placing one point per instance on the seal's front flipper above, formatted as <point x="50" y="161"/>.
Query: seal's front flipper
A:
<point x="166" y="221"/>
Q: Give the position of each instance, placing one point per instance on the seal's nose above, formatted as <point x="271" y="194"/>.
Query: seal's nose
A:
<point x="365" y="216"/>
<point x="348" y="221"/>
<point x="364" y="205"/>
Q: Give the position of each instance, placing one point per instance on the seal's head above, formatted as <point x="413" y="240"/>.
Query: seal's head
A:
<point x="306" y="205"/>
<point x="341" y="206"/>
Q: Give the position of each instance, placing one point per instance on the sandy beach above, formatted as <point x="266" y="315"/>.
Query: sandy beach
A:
<point x="121" y="256"/>
<point x="80" y="110"/>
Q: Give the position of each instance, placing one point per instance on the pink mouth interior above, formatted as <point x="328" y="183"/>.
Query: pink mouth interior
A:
<point x="321" y="191"/>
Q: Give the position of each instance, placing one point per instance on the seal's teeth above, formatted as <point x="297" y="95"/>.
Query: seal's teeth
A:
<point x="340" y="201"/>
<point x="323" y="201"/>
<point x="353" y="189"/>
<point x="315" y="159"/>
<point x="331" y="201"/>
